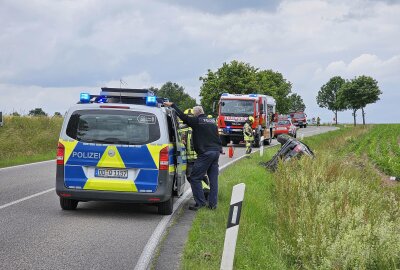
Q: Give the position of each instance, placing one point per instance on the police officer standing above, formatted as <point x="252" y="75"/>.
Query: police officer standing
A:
<point x="186" y="134"/>
<point x="208" y="146"/>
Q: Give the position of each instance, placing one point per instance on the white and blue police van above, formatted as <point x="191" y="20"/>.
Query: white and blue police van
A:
<point x="122" y="146"/>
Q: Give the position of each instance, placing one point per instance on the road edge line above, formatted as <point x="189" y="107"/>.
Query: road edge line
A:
<point x="151" y="246"/>
<point x="28" y="164"/>
<point x="26" y="198"/>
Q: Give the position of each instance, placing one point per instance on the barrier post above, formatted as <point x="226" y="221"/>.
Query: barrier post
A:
<point x="232" y="228"/>
<point x="261" y="146"/>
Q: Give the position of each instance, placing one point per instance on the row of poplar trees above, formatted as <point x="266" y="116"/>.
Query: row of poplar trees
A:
<point x="339" y="94"/>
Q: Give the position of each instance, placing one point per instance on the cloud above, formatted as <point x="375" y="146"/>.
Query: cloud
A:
<point x="55" y="46"/>
<point x="366" y="64"/>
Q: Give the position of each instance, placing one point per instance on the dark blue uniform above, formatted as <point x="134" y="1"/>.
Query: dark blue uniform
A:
<point x="208" y="146"/>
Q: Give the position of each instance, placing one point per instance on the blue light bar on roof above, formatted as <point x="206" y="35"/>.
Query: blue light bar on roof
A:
<point x="151" y="101"/>
<point x="224" y="94"/>
<point x="85" y="98"/>
<point x="253" y="95"/>
<point x="101" y="99"/>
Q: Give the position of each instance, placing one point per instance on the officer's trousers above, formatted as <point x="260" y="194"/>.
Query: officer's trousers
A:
<point x="206" y="163"/>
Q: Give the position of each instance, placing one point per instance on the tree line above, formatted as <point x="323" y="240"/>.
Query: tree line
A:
<point x="235" y="78"/>
<point x="339" y="94"/>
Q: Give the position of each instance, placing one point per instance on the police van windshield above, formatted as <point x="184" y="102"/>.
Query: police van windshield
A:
<point x="113" y="127"/>
<point x="237" y="107"/>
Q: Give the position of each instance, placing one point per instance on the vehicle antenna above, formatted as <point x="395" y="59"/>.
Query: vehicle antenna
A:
<point x="121" y="82"/>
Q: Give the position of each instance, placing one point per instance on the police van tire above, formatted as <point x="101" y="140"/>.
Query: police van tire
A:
<point x="166" y="208"/>
<point x="68" y="204"/>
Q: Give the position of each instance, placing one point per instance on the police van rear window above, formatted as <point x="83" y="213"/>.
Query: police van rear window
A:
<point x="113" y="127"/>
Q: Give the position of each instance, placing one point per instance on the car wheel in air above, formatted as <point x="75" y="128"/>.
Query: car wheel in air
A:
<point x="68" y="204"/>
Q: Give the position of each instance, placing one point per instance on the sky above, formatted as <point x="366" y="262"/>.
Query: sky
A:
<point x="51" y="50"/>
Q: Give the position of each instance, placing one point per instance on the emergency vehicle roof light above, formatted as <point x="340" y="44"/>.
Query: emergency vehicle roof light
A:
<point x="101" y="99"/>
<point x="85" y="98"/>
<point x="253" y="95"/>
<point x="224" y="94"/>
<point x="151" y="101"/>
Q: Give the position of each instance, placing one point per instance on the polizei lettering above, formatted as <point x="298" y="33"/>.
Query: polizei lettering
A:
<point x="88" y="155"/>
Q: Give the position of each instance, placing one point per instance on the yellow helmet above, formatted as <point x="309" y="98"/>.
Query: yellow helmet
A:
<point x="209" y="116"/>
<point x="251" y="119"/>
<point x="188" y="111"/>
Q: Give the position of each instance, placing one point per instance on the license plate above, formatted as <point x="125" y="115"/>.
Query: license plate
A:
<point x="111" y="173"/>
<point x="236" y="124"/>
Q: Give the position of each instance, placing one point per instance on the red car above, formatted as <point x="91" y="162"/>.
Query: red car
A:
<point x="285" y="126"/>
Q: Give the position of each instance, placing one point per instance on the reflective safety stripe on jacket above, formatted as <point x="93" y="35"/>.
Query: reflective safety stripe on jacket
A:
<point x="191" y="154"/>
<point x="186" y="134"/>
<point x="248" y="132"/>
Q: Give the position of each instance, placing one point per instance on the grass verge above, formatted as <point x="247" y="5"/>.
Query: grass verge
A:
<point x="328" y="213"/>
<point x="28" y="139"/>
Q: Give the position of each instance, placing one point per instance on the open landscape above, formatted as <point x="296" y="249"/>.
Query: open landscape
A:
<point x="334" y="212"/>
<point x="26" y="139"/>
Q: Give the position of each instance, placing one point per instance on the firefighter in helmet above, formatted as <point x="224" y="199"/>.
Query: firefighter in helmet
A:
<point x="186" y="135"/>
<point x="248" y="134"/>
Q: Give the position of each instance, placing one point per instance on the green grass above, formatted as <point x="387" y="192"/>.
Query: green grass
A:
<point x="382" y="146"/>
<point x="257" y="248"/>
<point x="328" y="213"/>
<point x="28" y="139"/>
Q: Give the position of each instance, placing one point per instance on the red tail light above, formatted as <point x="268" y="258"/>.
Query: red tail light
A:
<point x="60" y="154"/>
<point x="164" y="159"/>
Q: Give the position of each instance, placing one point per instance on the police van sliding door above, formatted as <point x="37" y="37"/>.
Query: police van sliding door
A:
<point x="180" y="156"/>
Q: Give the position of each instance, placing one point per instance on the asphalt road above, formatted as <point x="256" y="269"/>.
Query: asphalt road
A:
<point x="36" y="234"/>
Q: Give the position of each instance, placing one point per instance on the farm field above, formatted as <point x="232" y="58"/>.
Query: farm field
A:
<point x="28" y="139"/>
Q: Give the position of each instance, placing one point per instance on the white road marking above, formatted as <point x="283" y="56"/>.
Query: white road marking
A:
<point x="150" y="248"/>
<point x="26" y="198"/>
<point x="29" y="164"/>
<point x="155" y="238"/>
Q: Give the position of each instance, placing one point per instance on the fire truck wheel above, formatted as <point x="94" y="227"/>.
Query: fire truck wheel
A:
<point x="224" y="140"/>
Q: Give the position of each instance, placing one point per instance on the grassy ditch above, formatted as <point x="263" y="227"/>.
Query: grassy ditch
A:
<point x="28" y="139"/>
<point x="328" y="213"/>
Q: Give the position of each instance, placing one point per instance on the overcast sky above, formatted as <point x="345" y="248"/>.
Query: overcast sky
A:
<point x="50" y="51"/>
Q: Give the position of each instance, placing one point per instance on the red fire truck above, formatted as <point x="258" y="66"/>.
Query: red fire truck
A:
<point x="235" y="109"/>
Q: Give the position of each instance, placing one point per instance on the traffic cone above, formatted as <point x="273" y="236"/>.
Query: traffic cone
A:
<point x="230" y="150"/>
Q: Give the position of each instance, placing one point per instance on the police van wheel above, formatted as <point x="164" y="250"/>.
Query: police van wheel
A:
<point x="68" y="204"/>
<point x="165" y="208"/>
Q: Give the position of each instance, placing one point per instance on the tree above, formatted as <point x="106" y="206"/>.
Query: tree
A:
<point x="328" y="95"/>
<point x="242" y="78"/>
<point x="296" y="103"/>
<point x="368" y="91"/>
<point x="15" y="114"/>
<point x="57" y="114"/>
<point x="176" y="94"/>
<point x="37" y="112"/>
<point x="274" y="84"/>
<point x="358" y="93"/>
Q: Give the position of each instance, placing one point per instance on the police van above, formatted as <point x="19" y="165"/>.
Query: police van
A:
<point x="123" y="146"/>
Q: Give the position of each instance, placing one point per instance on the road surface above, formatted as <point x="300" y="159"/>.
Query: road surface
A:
<point x="36" y="234"/>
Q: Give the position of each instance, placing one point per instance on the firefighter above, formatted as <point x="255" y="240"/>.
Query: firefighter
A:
<point x="248" y="134"/>
<point x="186" y="135"/>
